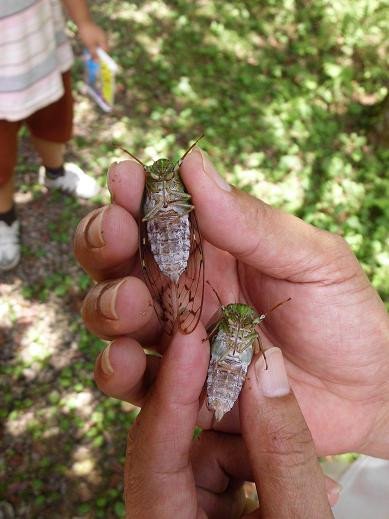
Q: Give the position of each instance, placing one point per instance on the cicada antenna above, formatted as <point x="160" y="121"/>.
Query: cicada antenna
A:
<point x="189" y="150"/>
<point x="133" y="156"/>
<point x="216" y="294"/>
<point x="274" y="307"/>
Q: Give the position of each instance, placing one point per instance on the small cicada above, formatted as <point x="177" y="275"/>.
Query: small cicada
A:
<point x="170" y="246"/>
<point x="234" y="340"/>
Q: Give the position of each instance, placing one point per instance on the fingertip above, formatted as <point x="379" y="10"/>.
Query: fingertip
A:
<point x="126" y="181"/>
<point x="270" y="374"/>
<point x="271" y="418"/>
<point x="219" y="208"/>
<point x="189" y="347"/>
<point x="212" y="203"/>
<point x="105" y="240"/>
<point x="333" y="489"/>
<point x="118" y="307"/>
<point x="267" y="388"/>
<point x="198" y="162"/>
<point x="185" y="365"/>
<point x="120" y="367"/>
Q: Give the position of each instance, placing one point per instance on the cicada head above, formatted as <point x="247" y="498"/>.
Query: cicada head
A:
<point x="244" y="314"/>
<point x="162" y="170"/>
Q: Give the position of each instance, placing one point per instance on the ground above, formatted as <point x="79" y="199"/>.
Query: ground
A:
<point x="292" y="101"/>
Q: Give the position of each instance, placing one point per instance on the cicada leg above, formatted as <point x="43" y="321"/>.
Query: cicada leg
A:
<point x="181" y="196"/>
<point x="184" y="205"/>
<point x="153" y="213"/>
<point x="212" y="332"/>
<point x="188" y="151"/>
<point x="258" y="348"/>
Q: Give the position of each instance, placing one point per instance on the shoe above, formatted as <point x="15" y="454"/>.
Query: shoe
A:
<point x="74" y="181"/>
<point x="9" y="245"/>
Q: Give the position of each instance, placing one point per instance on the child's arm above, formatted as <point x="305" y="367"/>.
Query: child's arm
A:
<point x="90" y="33"/>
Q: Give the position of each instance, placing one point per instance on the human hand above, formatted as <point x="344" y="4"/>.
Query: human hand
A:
<point x="93" y="37"/>
<point x="169" y="475"/>
<point x="334" y="333"/>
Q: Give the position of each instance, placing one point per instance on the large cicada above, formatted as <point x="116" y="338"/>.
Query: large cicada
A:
<point x="170" y="246"/>
<point x="234" y="340"/>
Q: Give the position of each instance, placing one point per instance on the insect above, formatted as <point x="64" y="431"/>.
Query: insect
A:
<point x="170" y="245"/>
<point x="235" y="340"/>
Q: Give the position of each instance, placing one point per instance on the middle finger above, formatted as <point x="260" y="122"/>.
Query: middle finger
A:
<point x="106" y="242"/>
<point x="121" y="307"/>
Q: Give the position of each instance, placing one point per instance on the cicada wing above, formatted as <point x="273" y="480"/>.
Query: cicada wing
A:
<point x="190" y="286"/>
<point x="160" y="286"/>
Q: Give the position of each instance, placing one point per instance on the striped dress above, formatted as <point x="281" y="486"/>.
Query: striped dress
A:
<point x="34" y="51"/>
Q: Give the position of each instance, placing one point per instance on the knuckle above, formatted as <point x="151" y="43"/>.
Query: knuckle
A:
<point x="204" y="445"/>
<point x="341" y="264"/>
<point x="292" y="443"/>
<point x="133" y="482"/>
<point x="335" y="242"/>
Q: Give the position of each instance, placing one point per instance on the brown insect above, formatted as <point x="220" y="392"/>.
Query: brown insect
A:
<point x="170" y="245"/>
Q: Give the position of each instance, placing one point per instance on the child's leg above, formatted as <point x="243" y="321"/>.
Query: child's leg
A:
<point x="51" y="128"/>
<point x="9" y="226"/>
<point x="51" y="153"/>
<point x="8" y="151"/>
<point x="7" y="190"/>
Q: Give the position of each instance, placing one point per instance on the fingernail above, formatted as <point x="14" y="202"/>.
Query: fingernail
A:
<point x="106" y="366"/>
<point x="334" y="493"/>
<point x="211" y="171"/>
<point x="111" y="180"/>
<point x="94" y="234"/>
<point x="274" y="380"/>
<point x="106" y="301"/>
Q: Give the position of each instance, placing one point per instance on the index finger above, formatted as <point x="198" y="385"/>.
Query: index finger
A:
<point x="106" y="240"/>
<point x="126" y="183"/>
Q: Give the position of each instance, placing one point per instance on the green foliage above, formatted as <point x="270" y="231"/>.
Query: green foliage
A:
<point x="292" y="99"/>
<point x="289" y="98"/>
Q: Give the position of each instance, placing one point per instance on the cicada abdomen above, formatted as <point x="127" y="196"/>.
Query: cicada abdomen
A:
<point x="232" y="349"/>
<point x="170" y="247"/>
<point x="234" y="340"/>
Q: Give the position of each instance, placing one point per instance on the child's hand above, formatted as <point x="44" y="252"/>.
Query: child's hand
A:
<point x="93" y="37"/>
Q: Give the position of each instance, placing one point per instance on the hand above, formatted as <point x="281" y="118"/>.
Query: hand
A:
<point x="167" y="475"/>
<point x="93" y="37"/>
<point x="334" y="333"/>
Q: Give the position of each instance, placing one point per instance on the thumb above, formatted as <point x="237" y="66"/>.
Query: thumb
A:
<point x="278" y="244"/>
<point x="287" y="474"/>
<point x="160" y="440"/>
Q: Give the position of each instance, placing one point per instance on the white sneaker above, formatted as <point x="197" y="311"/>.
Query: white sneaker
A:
<point x="9" y="245"/>
<point x="75" y="181"/>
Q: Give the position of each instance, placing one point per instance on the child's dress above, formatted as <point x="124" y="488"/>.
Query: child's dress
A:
<point x="34" y="52"/>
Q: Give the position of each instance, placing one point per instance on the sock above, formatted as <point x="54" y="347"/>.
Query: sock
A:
<point x="54" y="173"/>
<point x="8" y="217"/>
